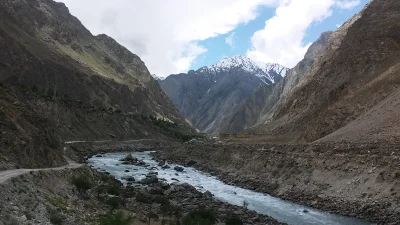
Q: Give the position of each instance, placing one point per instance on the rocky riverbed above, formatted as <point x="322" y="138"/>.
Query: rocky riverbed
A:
<point x="153" y="172"/>
<point x="64" y="197"/>
<point x="137" y="174"/>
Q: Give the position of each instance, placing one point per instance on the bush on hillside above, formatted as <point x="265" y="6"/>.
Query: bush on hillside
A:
<point x="233" y="220"/>
<point x="115" y="219"/>
<point x="200" y="216"/>
<point x="82" y="183"/>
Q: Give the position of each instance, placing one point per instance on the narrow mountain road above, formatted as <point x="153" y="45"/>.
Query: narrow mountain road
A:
<point x="8" y="174"/>
<point x="103" y="141"/>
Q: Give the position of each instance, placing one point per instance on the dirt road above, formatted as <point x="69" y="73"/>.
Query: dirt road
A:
<point x="8" y="174"/>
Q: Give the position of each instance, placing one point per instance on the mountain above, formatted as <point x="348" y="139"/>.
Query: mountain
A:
<point x="157" y="78"/>
<point x="257" y="108"/>
<point x="351" y="91"/>
<point x="206" y="96"/>
<point x="269" y="73"/>
<point x="58" y="82"/>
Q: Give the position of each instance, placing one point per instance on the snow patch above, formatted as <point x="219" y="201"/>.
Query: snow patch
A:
<point x="157" y="77"/>
<point x="267" y="72"/>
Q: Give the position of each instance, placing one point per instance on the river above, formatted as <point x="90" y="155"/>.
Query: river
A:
<point x="283" y="211"/>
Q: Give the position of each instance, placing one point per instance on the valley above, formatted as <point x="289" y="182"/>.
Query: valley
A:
<point x="90" y="136"/>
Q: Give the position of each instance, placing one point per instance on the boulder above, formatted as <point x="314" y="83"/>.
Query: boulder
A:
<point x="156" y="191"/>
<point x="161" y="163"/>
<point x="208" y="194"/>
<point x="149" y="180"/>
<point x="165" y="167"/>
<point x="129" y="178"/>
<point x="141" y="163"/>
<point x="165" y="185"/>
<point x="129" y="158"/>
<point x="178" y="168"/>
<point x="152" y="174"/>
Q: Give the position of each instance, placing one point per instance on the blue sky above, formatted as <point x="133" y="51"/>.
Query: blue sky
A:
<point x="217" y="48"/>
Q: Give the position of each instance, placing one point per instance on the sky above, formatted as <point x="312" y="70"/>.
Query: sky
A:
<point x="174" y="36"/>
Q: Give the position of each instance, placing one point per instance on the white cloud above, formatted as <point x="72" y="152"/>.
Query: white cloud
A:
<point x="347" y="4"/>
<point x="229" y="40"/>
<point x="281" y="39"/>
<point x="164" y="34"/>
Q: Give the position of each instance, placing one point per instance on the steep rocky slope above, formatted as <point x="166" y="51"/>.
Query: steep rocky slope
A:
<point x="58" y="82"/>
<point x="207" y="95"/>
<point x="257" y="108"/>
<point x="357" y="71"/>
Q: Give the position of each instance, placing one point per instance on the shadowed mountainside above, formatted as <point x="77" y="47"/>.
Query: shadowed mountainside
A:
<point x="206" y="96"/>
<point x="59" y="82"/>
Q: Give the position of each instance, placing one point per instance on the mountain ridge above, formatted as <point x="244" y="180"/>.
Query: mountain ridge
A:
<point x="206" y="95"/>
<point x="265" y="71"/>
<point x="356" y="71"/>
<point x="59" y="82"/>
<point x="258" y="107"/>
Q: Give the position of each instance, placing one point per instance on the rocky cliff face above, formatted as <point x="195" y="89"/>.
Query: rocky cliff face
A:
<point x="258" y="107"/>
<point x="59" y="82"/>
<point x="358" y="71"/>
<point x="207" y="95"/>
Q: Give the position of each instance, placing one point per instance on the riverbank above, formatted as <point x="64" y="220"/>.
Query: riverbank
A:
<point x="352" y="180"/>
<point x="84" y="196"/>
<point x="139" y="163"/>
<point x="357" y="180"/>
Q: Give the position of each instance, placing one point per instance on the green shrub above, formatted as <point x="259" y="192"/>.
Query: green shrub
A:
<point x="161" y="200"/>
<point x="56" y="218"/>
<point x="143" y="198"/>
<point x="100" y="189"/>
<point x="233" y="220"/>
<point x="115" y="202"/>
<point x="105" y="177"/>
<point x="82" y="183"/>
<point x="115" y="219"/>
<point x="114" y="189"/>
<point x="200" y="216"/>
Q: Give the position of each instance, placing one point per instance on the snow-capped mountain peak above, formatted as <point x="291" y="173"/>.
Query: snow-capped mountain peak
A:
<point x="157" y="77"/>
<point x="267" y="72"/>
